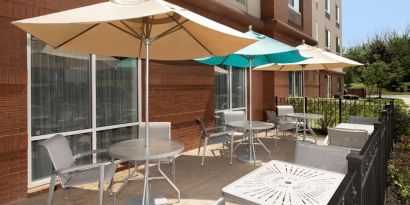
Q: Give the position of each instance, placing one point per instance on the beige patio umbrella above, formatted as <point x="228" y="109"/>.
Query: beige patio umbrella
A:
<point x="136" y="28"/>
<point x="125" y="27"/>
<point x="318" y="60"/>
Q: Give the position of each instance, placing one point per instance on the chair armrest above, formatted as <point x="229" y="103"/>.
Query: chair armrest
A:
<point x="218" y="134"/>
<point x="84" y="154"/>
<point x="81" y="167"/>
<point x="222" y="128"/>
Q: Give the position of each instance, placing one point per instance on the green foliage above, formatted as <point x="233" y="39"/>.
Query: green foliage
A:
<point x="390" y="47"/>
<point x="376" y="75"/>
<point x="329" y="108"/>
<point x="401" y="120"/>
<point x="399" y="168"/>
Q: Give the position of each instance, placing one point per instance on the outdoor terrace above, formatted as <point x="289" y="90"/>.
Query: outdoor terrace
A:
<point x="199" y="185"/>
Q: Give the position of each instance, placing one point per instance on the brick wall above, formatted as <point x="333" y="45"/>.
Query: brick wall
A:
<point x="180" y="90"/>
<point x="13" y="92"/>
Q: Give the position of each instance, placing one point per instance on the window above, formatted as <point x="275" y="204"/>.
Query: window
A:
<point x="242" y="1"/>
<point x="337" y="14"/>
<point x="230" y="89"/>
<point x="338" y="50"/>
<point x="339" y="86"/>
<point x="327" y="6"/>
<point x="62" y="98"/>
<point x="294" y="12"/>
<point x="294" y="4"/>
<point x="295" y="83"/>
<point x="327" y="39"/>
<point x="329" y="86"/>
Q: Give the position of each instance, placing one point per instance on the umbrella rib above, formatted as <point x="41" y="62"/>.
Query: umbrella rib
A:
<point x="123" y="30"/>
<point x="169" y="31"/>
<point x="132" y="30"/>
<point x="190" y="34"/>
<point x="77" y="35"/>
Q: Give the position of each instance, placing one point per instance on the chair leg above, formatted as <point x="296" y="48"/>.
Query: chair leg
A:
<point x="66" y="193"/>
<point x="101" y="185"/>
<point x="51" y="189"/>
<point x="203" y="152"/>
<point x="199" y="146"/>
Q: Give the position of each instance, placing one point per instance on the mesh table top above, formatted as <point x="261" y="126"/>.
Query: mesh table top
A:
<point x="284" y="183"/>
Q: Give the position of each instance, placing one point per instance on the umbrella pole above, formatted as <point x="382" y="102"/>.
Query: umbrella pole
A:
<point x="145" y="195"/>
<point x="304" y="101"/>
<point x="250" y="90"/>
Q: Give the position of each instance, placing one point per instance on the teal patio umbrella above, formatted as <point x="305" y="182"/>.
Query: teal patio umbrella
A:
<point x="265" y="51"/>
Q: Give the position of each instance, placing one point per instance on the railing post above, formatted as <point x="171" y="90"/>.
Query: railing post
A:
<point x="340" y="110"/>
<point x="306" y="102"/>
<point x="355" y="161"/>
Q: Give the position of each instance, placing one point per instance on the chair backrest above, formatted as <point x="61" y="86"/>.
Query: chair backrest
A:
<point x="323" y="157"/>
<point x="282" y="110"/>
<point x="362" y="120"/>
<point x="349" y="138"/>
<point x="232" y="116"/>
<point x="157" y="130"/>
<point x="202" y="125"/>
<point x="59" y="151"/>
<point x="271" y="115"/>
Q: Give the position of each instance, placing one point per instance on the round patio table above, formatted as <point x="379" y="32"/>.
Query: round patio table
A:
<point x="157" y="149"/>
<point x="252" y="126"/>
<point x="303" y="118"/>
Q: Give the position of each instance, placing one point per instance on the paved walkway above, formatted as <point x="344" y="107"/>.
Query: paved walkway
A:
<point x="199" y="185"/>
<point x="406" y="98"/>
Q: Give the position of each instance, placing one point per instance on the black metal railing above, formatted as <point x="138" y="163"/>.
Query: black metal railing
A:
<point x="366" y="179"/>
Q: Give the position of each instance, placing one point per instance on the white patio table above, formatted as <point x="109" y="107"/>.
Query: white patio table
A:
<point x="303" y="119"/>
<point x="136" y="150"/>
<point x="284" y="183"/>
<point x="252" y="126"/>
<point x="352" y="126"/>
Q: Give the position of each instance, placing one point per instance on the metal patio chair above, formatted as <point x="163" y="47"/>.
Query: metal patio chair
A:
<point x="272" y="118"/>
<point x="362" y="120"/>
<point x="285" y="124"/>
<point x="354" y="139"/>
<point x="69" y="173"/>
<point x="232" y="116"/>
<point x="323" y="157"/>
<point x="214" y="135"/>
<point x="159" y="130"/>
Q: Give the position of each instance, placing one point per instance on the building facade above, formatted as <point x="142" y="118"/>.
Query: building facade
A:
<point x="90" y="98"/>
<point x="327" y="31"/>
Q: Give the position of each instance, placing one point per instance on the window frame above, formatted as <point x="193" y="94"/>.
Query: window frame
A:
<point x="292" y="91"/>
<point x="338" y="46"/>
<point x="230" y="108"/>
<point x="93" y="130"/>
<point x="328" y="41"/>
<point x="337" y="14"/>
<point x="327" y="6"/>
<point x="296" y="9"/>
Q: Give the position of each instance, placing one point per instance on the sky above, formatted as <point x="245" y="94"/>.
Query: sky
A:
<point x="363" y="18"/>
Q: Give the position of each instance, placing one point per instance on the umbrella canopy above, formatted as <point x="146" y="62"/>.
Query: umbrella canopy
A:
<point x="265" y="51"/>
<point x="115" y="29"/>
<point x="318" y="60"/>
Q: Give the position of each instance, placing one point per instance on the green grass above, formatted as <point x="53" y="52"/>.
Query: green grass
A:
<point x="384" y="91"/>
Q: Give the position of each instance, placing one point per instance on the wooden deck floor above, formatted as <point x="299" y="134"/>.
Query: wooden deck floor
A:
<point x="199" y="185"/>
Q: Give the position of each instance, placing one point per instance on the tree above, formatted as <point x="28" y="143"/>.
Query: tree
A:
<point x="376" y="75"/>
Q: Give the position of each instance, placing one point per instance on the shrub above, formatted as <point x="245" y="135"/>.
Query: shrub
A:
<point x="401" y="89"/>
<point x="401" y="121"/>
